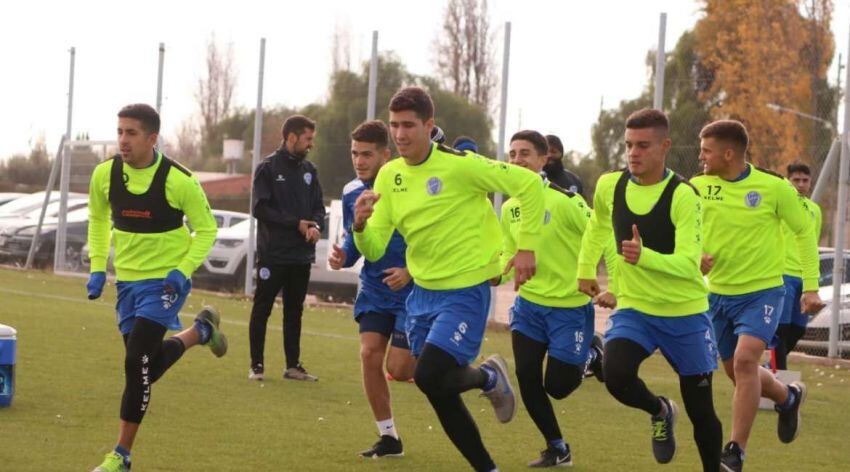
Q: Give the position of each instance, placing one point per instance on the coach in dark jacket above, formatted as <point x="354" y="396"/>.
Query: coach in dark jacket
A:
<point x="289" y="210"/>
<point x="554" y="168"/>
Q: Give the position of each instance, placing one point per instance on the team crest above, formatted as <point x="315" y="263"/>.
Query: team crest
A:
<point x="435" y="186"/>
<point x="753" y="199"/>
<point x="547" y="217"/>
<point x="308" y="178"/>
<point x="265" y="273"/>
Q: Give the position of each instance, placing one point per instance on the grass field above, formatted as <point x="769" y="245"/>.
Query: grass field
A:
<point x="205" y="414"/>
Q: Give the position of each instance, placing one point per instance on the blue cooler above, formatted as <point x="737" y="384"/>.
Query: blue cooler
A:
<point x="8" y="340"/>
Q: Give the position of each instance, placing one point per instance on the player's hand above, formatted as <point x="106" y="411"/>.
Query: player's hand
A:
<point x="337" y="257"/>
<point x="606" y="299"/>
<point x="589" y="287"/>
<point x="811" y="303"/>
<point x="524" y="266"/>
<point x="95" y="284"/>
<point x="396" y="278"/>
<point x="305" y="225"/>
<point x="364" y="206"/>
<point x="706" y="263"/>
<point x="313" y="235"/>
<point x="631" y="247"/>
<point x="175" y="282"/>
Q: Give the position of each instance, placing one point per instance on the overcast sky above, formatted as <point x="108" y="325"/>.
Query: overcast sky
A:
<point x="566" y="56"/>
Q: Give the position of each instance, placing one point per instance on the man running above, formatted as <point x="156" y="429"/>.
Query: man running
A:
<point x="437" y="200"/>
<point x="549" y="315"/>
<point x="792" y="326"/>
<point x="384" y="287"/>
<point x="743" y="210"/>
<point x="654" y="214"/>
<point x="141" y="197"/>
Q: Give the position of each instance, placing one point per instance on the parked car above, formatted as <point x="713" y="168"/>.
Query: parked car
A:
<point x="29" y="202"/>
<point x="226" y="264"/>
<point x="816" y="339"/>
<point x="15" y="244"/>
<point x="6" y="197"/>
<point x="52" y="211"/>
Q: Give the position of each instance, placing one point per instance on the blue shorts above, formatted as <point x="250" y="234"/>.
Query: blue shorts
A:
<point x="376" y="313"/>
<point x="791" y="312"/>
<point x="687" y="342"/>
<point x="566" y="331"/>
<point x="453" y="320"/>
<point x="147" y="299"/>
<point x="755" y="314"/>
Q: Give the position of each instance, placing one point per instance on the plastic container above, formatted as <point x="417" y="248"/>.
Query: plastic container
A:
<point x="8" y="343"/>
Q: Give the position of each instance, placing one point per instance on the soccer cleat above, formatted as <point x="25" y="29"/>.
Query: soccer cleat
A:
<point x="257" y="372"/>
<point x="387" y="446"/>
<point x="788" y="424"/>
<point x="299" y="373"/>
<point x="732" y="458"/>
<point x="218" y="341"/>
<point x="501" y="396"/>
<point x="594" y="364"/>
<point x="553" y="457"/>
<point x="663" y="437"/>
<point x="112" y="462"/>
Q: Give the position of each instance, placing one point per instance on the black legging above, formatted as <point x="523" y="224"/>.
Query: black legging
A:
<point x="146" y="360"/>
<point x="620" y="365"/>
<point x="561" y="380"/>
<point x="442" y="380"/>
<point x="788" y="335"/>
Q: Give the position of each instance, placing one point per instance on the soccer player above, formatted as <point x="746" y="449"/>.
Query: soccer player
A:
<point x="437" y="200"/>
<point x="549" y="314"/>
<point x="743" y="211"/>
<point x="792" y="326"/>
<point x="384" y="286"/>
<point x="140" y="197"/>
<point x="655" y="217"/>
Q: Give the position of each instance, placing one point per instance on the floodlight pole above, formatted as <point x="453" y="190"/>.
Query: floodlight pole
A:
<point x="373" y="78"/>
<point x="255" y="160"/>
<point x="59" y="245"/>
<point x="500" y="150"/>
<point x="159" y="88"/>
<point x="840" y="225"/>
<point x="658" y="102"/>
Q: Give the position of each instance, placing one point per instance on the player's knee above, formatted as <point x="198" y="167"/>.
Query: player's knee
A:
<point x="562" y="381"/>
<point x="371" y="356"/>
<point x="427" y="379"/>
<point x="401" y="371"/>
<point x="745" y="366"/>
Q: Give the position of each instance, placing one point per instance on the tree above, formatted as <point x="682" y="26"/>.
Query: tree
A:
<point x="767" y="52"/>
<point x="26" y="172"/>
<point x="464" y="52"/>
<point x="215" y="90"/>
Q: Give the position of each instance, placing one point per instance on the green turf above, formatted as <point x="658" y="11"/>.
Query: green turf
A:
<point x="206" y="415"/>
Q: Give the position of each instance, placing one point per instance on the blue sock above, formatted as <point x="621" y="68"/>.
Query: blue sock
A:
<point x="124" y="453"/>
<point x="792" y="396"/>
<point x="558" y="444"/>
<point x="204" y="331"/>
<point x="491" y="378"/>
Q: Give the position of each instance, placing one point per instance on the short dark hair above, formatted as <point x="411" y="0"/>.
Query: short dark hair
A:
<point x="555" y="142"/>
<point x="146" y="115"/>
<point x="297" y="124"/>
<point x="373" y="131"/>
<point x="730" y="131"/>
<point x="648" y="118"/>
<point x="799" y="168"/>
<point x="414" y="99"/>
<point x="536" y="139"/>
